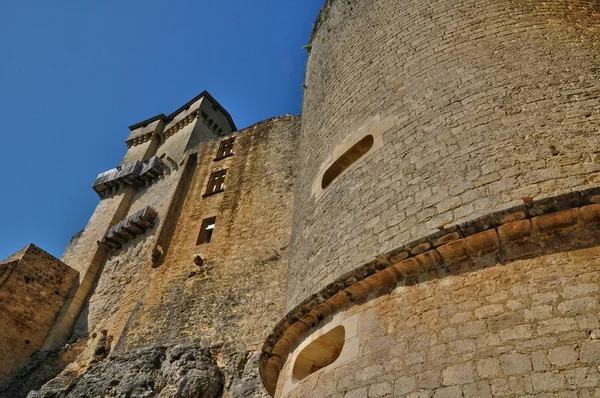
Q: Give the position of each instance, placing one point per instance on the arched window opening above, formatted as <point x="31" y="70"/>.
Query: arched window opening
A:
<point x="320" y="353"/>
<point x="347" y="159"/>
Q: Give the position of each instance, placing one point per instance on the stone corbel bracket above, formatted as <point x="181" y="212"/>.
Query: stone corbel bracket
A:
<point x="549" y="225"/>
<point x="127" y="229"/>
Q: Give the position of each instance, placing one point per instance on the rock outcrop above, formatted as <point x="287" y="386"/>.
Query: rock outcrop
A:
<point x="179" y="371"/>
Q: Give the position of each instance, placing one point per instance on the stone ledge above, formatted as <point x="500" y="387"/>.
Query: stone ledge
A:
<point x="547" y="225"/>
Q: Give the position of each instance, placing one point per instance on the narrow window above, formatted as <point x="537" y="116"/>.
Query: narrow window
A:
<point x="346" y="160"/>
<point x="226" y="148"/>
<point x="320" y="353"/>
<point x="216" y="182"/>
<point x="206" y="230"/>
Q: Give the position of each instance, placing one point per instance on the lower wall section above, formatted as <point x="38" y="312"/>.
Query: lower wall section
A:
<point x="527" y="328"/>
<point x="33" y="288"/>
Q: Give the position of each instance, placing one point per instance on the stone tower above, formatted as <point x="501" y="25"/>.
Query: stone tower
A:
<point x="429" y="228"/>
<point x="178" y="276"/>
<point x="445" y="230"/>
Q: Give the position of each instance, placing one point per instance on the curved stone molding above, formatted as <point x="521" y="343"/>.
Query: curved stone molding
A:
<point x="548" y="225"/>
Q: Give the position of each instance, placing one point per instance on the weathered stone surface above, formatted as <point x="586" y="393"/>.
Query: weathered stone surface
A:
<point x="497" y="331"/>
<point x="483" y="118"/>
<point x="33" y="287"/>
<point x="515" y="121"/>
<point x="179" y="371"/>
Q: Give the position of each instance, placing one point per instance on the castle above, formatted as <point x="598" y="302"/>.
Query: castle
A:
<point x="430" y="226"/>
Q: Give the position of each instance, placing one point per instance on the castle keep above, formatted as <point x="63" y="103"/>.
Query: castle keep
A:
<point x="430" y="227"/>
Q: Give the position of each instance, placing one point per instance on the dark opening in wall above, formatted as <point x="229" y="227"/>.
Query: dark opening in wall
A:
<point x="320" y="353"/>
<point x="347" y="159"/>
<point x="206" y="230"/>
<point x="216" y="182"/>
<point x="225" y="149"/>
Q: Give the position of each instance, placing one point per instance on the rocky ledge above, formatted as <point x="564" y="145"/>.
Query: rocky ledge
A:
<point x="179" y="371"/>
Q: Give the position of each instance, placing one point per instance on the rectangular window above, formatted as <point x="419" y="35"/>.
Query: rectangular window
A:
<point x="216" y="182"/>
<point x="226" y="148"/>
<point x="206" y="230"/>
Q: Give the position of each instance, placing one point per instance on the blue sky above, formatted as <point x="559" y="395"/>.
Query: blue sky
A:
<point x="75" y="74"/>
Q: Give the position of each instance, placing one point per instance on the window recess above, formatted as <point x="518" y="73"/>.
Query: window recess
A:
<point x="206" y="230"/>
<point x="216" y="183"/>
<point x="320" y="353"/>
<point x="346" y="160"/>
<point x="225" y="148"/>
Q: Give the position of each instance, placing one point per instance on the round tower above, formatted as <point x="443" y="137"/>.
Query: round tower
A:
<point x="446" y="221"/>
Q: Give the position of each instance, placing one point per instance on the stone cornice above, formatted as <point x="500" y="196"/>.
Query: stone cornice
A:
<point x="172" y="116"/>
<point x="548" y="225"/>
<point x="140" y="139"/>
<point x="180" y="124"/>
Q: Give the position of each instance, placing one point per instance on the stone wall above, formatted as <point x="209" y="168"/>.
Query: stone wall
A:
<point x="227" y="301"/>
<point x="33" y="287"/>
<point x="232" y="299"/>
<point x="480" y="104"/>
<point x="527" y="328"/>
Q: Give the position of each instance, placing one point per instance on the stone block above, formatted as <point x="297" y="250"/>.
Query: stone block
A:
<point x="539" y="360"/>
<point x="453" y="251"/>
<point x="408" y="268"/>
<point x="429" y="260"/>
<point x="458" y="374"/>
<point x="590" y="215"/>
<point x="514" y="231"/>
<point x="583" y="377"/>
<point x="564" y="355"/>
<point x="578" y="290"/>
<point x="480" y="389"/>
<point x="404" y="385"/>
<point x="511" y="387"/>
<point x="358" y="290"/>
<point x="578" y="306"/>
<point x="590" y="352"/>
<point x="482" y="242"/>
<point x="553" y="222"/>
<point x="380" y="390"/>
<point x="556" y="325"/>
<point x="430" y="379"/>
<point x="322" y="311"/>
<point x="369" y="372"/>
<point x="357" y="393"/>
<point x="444" y="237"/>
<point x="515" y="363"/>
<point x="547" y="381"/>
<point x="489" y="310"/>
<point x="448" y="392"/>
